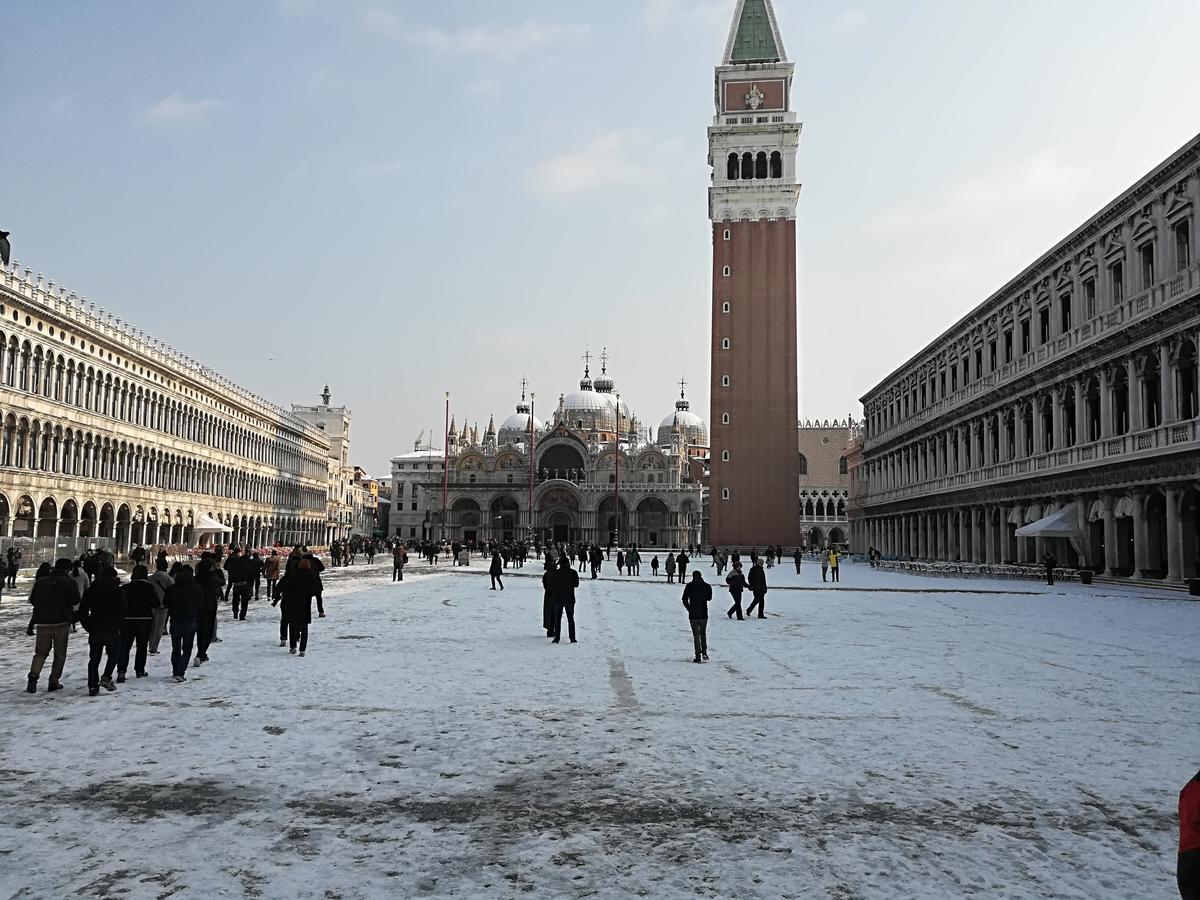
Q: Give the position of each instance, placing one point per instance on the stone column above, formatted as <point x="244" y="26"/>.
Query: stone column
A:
<point x="1174" y="535"/>
<point x="1056" y="418"/>
<point x="964" y="536"/>
<point x="1140" y="537"/>
<point x="989" y="532"/>
<point x="1004" y="514"/>
<point x="1107" y="399"/>
<point x="1039" y="428"/>
<point x="976" y="537"/>
<point x="1018" y="433"/>
<point x="1135" y="395"/>
<point x="1081" y="435"/>
<point x="1166" y="376"/>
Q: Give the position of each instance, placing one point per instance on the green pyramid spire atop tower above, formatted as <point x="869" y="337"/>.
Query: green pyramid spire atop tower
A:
<point x="755" y="35"/>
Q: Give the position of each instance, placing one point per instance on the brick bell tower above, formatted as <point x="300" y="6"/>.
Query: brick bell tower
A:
<point x="754" y="486"/>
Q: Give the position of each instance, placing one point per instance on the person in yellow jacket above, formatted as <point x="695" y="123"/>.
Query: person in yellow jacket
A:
<point x="833" y="565"/>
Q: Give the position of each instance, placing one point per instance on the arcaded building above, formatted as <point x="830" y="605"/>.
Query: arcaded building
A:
<point x="752" y="206"/>
<point x="1064" y="405"/>
<point x="111" y="437"/>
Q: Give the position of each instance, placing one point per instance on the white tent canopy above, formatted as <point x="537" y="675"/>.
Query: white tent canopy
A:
<point x="206" y="524"/>
<point x="1062" y="523"/>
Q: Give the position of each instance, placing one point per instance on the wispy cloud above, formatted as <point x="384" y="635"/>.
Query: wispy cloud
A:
<point x="482" y="87"/>
<point x="603" y="162"/>
<point x="712" y="13"/>
<point x="176" y="110"/>
<point x="847" y="21"/>
<point x="505" y="43"/>
<point x="61" y="108"/>
<point x="1033" y="183"/>
<point x="382" y="169"/>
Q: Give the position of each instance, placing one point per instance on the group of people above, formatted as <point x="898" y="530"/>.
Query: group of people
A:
<point x="129" y="620"/>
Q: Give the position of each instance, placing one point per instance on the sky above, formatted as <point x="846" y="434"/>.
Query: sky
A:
<point x="405" y="198"/>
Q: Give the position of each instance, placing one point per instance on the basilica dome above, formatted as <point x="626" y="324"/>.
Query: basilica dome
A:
<point x="692" y="429"/>
<point x="515" y="429"/>
<point x="589" y="407"/>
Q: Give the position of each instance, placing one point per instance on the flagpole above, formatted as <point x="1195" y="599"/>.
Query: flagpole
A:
<point x="532" y="451"/>
<point x="445" y="464"/>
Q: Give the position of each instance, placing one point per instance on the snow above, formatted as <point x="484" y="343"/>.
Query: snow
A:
<point x="889" y="736"/>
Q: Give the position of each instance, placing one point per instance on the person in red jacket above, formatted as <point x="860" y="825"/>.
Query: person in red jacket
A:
<point x="1188" y="871"/>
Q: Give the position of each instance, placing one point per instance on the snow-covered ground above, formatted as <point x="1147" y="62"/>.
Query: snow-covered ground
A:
<point x="991" y="738"/>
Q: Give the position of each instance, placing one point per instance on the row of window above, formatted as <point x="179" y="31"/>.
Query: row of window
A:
<point x="39" y="446"/>
<point x="1052" y="320"/>
<point x="53" y="376"/>
<point x="1129" y="398"/>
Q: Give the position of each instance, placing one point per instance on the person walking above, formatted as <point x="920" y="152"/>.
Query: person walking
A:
<point x="298" y="590"/>
<point x="160" y="581"/>
<point x="824" y="564"/>
<point x="101" y="612"/>
<point x="797" y="557"/>
<point x="695" y="600"/>
<point x="141" y="600"/>
<point x="670" y="568"/>
<point x="634" y="561"/>
<point x="620" y="562"/>
<point x="183" y="600"/>
<point x="758" y="587"/>
<point x="654" y="565"/>
<point x="14" y="566"/>
<point x="54" y="600"/>
<point x="238" y="569"/>
<point x="548" y="596"/>
<point x="1050" y="562"/>
<point x="737" y="584"/>
<point x="208" y="577"/>
<point x="271" y="566"/>
<point x="496" y="570"/>
<point x="399" y="558"/>
<point x="563" y="584"/>
<point x="1187" y="870"/>
<point x="682" y="563"/>
<point x="834" y="562"/>
<point x="254" y="568"/>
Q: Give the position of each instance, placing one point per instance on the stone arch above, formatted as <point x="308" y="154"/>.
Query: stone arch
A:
<point x="47" y="525"/>
<point x="564" y="458"/>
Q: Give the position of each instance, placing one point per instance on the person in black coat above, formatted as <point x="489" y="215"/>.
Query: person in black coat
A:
<point x="737" y="584"/>
<point x="562" y="588"/>
<point x="758" y="587"/>
<point x="682" y="562"/>
<point x="548" y="597"/>
<point x="183" y="600"/>
<point x="209" y="578"/>
<point x="696" y="596"/>
<point x="101" y="613"/>
<point x="255" y="565"/>
<point x="495" y="571"/>
<point x="54" y="599"/>
<point x="237" y="567"/>
<point x="296" y="592"/>
<point x="141" y="600"/>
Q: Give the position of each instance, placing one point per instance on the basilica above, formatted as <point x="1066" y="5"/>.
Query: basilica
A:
<point x="592" y="473"/>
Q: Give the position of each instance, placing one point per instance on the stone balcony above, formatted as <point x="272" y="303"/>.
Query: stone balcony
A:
<point x="1124" y="448"/>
